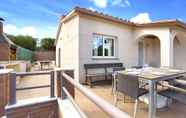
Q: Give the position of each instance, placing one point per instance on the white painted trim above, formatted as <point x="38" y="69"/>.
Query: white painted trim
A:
<point x="114" y="48"/>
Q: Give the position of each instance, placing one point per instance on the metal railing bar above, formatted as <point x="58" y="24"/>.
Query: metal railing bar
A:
<point x="52" y="84"/>
<point x="175" y="88"/>
<point x="33" y="87"/>
<point x="101" y="103"/>
<point x="12" y="88"/>
<point x="33" y="73"/>
<point x="74" y="104"/>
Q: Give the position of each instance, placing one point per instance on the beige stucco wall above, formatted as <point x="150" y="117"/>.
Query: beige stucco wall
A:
<point x="68" y="42"/>
<point x="180" y="52"/>
<point x="126" y="49"/>
<point x="151" y="52"/>
<point x="166" y="45"/>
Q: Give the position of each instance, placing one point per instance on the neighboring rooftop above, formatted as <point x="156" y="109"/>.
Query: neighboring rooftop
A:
<point x="5" y="39"/>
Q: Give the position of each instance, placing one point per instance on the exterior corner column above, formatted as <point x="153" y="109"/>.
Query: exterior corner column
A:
<point x="167" y="50"/>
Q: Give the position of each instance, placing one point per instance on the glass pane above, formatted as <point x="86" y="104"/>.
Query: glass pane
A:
<point x="98" y="46"/>
<point x="109" y="47"/>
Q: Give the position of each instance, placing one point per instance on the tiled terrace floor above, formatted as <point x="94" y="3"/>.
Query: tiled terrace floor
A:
<point x="176" y="110"/>
<point x="31" y="81"/>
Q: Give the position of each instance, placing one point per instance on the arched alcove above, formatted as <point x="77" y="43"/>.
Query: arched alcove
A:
<point x="149" y="50"/>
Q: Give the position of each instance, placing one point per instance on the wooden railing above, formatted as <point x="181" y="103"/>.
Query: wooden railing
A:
<point x="65" y="89"/>
<point x="65" y="81"/>
<point x="13" y="88"/>
<point x="43" y="107"/>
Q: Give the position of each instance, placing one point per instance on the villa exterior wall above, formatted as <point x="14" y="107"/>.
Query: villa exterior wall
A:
<point x="166" y="43"/>
<point x="68" y="46"/>
<point x="151" y="52"/>
<point x="76" y="43"/>
<point x="180" y="52"/>
<point x="126" y="48"/>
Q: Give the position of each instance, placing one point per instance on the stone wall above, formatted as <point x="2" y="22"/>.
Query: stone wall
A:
<point x="44" y="55"/>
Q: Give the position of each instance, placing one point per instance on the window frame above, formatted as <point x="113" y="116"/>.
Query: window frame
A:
<point x="104" y="37"/>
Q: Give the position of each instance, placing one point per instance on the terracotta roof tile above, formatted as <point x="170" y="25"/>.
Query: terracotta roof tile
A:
<point x="168" y="22"/>
<point x="97" y="14"/>
<point x="124" y="21"/>
<point x="102" y="15"/>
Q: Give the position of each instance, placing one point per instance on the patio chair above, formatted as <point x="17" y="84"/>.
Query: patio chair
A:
<point x="142" y="83"/>
<point x="129" y="85"/>
<point x="114" y="77"/>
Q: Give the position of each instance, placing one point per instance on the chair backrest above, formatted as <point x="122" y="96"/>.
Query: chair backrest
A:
<point x="128" y="84"/>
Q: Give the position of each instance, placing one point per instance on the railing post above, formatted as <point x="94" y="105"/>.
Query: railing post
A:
<point x="68" y="85"/>
<point x="52" y="86"/>
<point x="63" y="95"/>
<point x="62" y="82"/>
<point x="58" y="83"/>
<point x="12" y="88"/>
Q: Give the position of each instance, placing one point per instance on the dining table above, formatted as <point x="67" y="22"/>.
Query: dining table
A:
<point x="152" y="76"/>
<point x="44" y="63"/>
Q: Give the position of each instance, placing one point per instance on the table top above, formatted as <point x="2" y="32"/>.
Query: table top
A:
<point x="151" y="73"/>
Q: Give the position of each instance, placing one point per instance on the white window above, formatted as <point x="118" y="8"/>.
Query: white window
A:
<point x="103" y="46"/>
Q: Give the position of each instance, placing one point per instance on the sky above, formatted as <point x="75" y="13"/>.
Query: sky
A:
<point x="40" y="18"/>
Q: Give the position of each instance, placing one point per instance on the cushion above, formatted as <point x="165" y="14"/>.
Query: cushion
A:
<point x="161" y="100"/>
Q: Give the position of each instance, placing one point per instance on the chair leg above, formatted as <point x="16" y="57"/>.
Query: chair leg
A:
<point x="90" y="82"/>
<point x="124" y="98"/>
<point x="112" y="85"/>
<point x="135" y="108"/>
<point x="86" y="80"/>
<point x="115" y="98"/>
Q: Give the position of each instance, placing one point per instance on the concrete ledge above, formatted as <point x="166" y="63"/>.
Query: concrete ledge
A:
<point x="28" y="102"/>
<point x="38" y="107"/>
<point x="67" y="109"/>
<point x="5" y="71"/>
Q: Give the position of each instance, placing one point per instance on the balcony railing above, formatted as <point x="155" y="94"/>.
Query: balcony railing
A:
<point x="68" y="81"/>
<point x="65" y="86"/>
<point x="13" y="87"/>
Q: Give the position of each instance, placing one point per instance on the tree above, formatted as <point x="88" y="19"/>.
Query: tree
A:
<point x="27" y="42"/>
<point x="47" y="44"/>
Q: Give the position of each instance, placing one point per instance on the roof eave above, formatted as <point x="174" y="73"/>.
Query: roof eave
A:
<point x="165" y="23"/>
